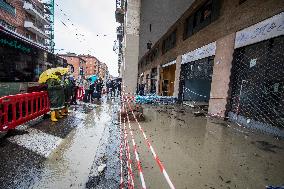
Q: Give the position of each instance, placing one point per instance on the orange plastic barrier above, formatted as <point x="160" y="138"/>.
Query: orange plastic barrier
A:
<point x="21" y="108"/>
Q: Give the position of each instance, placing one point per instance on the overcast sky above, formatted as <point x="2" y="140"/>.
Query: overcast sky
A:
<point x="90" y="20"/>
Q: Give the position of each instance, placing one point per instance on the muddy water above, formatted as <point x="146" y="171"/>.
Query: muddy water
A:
<point x="201" y="153"/>
<point x="69" y="166"/>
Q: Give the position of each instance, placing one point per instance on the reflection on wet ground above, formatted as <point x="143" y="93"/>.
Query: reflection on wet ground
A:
<point x="58" y="155"/>
<point x="82" y="151"/>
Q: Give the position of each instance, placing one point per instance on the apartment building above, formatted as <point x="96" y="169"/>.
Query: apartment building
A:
<point x="78" y="63"/>
<point x="29" y="19"/>
<point x="23" y="49"/>
<point x="92" y="65"/>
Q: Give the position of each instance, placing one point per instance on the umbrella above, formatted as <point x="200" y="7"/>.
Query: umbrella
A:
<point x="51" y="73"/>
<point x="93" y="78"/>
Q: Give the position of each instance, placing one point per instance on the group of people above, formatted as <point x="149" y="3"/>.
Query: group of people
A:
<point x="114" y="87"/>
<point x="62" y="91"/>
<point x="93" y="90"/>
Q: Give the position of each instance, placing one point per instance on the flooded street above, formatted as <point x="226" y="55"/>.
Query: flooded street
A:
<point x="82" y="151"/>
<point x="198" y="152"/>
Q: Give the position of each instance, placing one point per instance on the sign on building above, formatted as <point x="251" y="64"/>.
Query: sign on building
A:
<point x="202" y="52"/>
<point x="261" y="31"/>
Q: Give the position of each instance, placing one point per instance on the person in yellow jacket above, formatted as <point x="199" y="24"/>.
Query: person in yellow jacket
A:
<point x="55" y="89"/>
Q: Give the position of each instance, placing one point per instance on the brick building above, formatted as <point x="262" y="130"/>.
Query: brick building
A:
<point x="228" y="54"/>
<point x="24" y="54"/>
<point x="86" y="65"/>
<point x="103" y="71"/>
<point x="79" y="65"/>
<point x="26" y="18"/>
<point x="92" y="64"/>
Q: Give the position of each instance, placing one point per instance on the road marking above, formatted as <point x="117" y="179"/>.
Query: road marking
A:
<point x="37" y="141"/>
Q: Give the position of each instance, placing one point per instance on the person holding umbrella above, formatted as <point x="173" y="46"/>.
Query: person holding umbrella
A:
<point x="55" y="89"/>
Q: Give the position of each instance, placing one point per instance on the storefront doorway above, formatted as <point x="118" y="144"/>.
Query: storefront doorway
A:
<point x="257" y="84"/>
<point x="167" y="80"/>
<point x="196" y="80"/>
<point x="154" y="74"/>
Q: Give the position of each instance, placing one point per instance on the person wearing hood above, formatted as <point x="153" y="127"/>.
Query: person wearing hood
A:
<point x="55" y="89"/>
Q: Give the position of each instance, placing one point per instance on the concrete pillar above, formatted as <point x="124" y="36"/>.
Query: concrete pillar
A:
<point x="158" y="79"/>
<point x="177" y="76"/>
<point x="221" y="75"/>
<point x="131" y="39"/>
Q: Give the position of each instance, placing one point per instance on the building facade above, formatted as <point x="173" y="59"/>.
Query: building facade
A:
<point x="30" y="19"/>
<point x="86" y="66"/>
<point x="78" y="63"/>
<point x="92" y="65"/>
<point x="23" y="51"/>
<point x="225" y="54"/>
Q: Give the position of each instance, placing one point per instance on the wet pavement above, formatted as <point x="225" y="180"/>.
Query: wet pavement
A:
<point x="82" y="151"/>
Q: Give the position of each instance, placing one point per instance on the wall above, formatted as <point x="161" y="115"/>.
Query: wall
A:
<point x="161" y="14"/>
<point x="233" y="17"/>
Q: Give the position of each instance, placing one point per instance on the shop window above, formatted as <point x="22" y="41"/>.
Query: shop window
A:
<point x="169" y="42"/>
<point x="201" y="18"/>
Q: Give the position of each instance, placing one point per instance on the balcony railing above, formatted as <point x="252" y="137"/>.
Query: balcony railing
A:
<point x="32" y="28"/>
<point x="119" y="15"/>
<point x="119" y="32"/>
<point x="30" y="8"/>
<point x="7" y="7"/>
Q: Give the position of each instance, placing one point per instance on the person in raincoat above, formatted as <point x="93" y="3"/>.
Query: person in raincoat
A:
<point x="55" y="89"/>
<point x="68" y="92"/>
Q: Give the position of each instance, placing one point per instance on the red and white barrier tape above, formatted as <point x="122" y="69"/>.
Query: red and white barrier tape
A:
<point x="158" y="161"/>
<point x="128" y="156"/>
<point x="136" y="153"/>
<point x="129" y="161"/>
<point x="121" y="186"/>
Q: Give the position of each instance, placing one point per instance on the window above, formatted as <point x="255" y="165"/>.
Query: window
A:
<point x="202" y="17"/>
<point x="7" y="25"/>
<point x="150" y="27"/>
<point x="169" y="42"/>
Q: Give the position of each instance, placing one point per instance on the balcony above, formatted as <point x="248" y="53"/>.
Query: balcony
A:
<point x="119" y="15"/>
<point x="32" y="28"/>
<point x="31" y="9"/>
<point x="119" y="32"/>
<point x="7" y="7"/>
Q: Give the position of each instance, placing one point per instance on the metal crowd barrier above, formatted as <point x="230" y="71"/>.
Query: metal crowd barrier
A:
<point x="21" y="108"/>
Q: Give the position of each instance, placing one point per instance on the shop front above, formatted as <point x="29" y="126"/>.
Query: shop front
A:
<point x="196" y="74"/>
<point x="21" y="62"/>
<point x="167" y="80"/>
<point x="257" y="76"/>
<point x="153" y="82"/>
